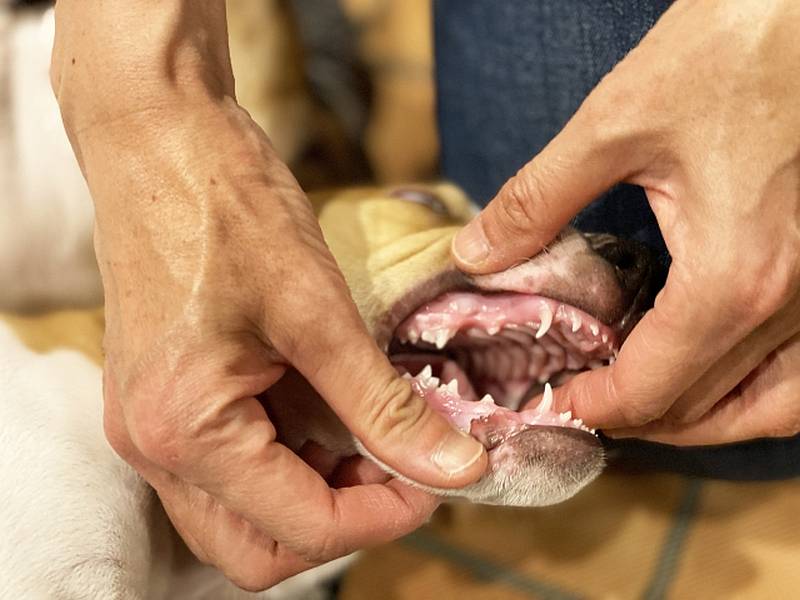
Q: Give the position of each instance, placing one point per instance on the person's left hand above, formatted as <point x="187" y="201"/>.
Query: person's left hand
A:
<point x="704" y="114"/>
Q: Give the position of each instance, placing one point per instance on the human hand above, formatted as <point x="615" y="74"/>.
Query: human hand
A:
<point x="216" y="279"/>
<point x="703" y="114"/>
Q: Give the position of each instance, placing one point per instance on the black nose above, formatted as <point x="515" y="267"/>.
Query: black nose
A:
<point x="640" y="275"/>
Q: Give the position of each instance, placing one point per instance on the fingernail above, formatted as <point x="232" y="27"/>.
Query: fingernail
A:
<point x="470" y="244"/>
<point x="457" y="452"/>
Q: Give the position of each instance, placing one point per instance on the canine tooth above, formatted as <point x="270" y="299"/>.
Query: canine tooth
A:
<point x="442" y="337"/>
<point x="594" y="329"/>
<point x="576" y="322"/>
<point x="547" y="399"/>
<point x="426" y="373"/>
<point x="452" y="387"/>
<point x="547" y="319"/>
<point x="565" y="416"/>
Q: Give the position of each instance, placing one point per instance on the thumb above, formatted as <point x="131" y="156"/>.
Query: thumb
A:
<point x="394" y="424"/>
<point x="581" y="162"/>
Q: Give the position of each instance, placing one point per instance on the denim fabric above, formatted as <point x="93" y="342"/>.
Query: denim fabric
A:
<point x="510" y="73"/>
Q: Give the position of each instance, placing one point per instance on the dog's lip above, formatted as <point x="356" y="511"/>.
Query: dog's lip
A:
<point x="453" y="280"/>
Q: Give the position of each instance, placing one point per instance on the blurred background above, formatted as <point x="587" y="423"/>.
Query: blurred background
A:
<point x="345" y="91"/>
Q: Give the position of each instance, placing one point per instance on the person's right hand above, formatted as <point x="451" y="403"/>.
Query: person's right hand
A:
<point x="216" y="279"/>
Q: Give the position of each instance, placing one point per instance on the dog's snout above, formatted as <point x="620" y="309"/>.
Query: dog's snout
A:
<point x="636" y="269"/>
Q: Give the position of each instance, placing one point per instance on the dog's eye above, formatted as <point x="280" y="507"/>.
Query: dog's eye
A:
<point x="422" y="196"/>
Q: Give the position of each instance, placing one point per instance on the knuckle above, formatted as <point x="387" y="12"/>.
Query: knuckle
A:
<point x="521" y="202"/>
<point x="763" y="287"/>
<point x="252" y="580"/>
<point x="157" y="437"/>
<point x="631" y="408"/>
<point x="117" y="436"/>
<point x="396" y="411"/>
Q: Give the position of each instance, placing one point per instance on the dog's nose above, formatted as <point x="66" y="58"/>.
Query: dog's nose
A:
<point x="639" y="274"/>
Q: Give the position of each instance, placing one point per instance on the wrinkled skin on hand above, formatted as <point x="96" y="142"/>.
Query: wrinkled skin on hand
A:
<point x="216" y="279"/>
<point x="703" y="114"/>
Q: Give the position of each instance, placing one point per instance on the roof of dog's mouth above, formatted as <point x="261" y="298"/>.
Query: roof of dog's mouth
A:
<point x="479" y="358"/>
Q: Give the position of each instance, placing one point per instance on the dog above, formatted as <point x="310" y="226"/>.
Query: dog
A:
<point x="78" y="522"/>
<point x="483" y="351"/>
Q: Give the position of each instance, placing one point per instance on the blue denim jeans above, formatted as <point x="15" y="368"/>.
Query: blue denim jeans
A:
<point x="510" y="73"/>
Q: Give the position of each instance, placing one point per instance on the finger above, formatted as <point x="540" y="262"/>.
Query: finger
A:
<point x="247" y="556"/>
<point x="664" y="355"/>
<point x="585" y="159"/>
<point x="229" y="452"/>
<point x="358" y="470"/>
<point x="765" y="404"/>
<point x="343" y="363"/>
<point x="724" y="375"/>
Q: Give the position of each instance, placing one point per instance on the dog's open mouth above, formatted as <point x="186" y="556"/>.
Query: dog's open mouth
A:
<point x="480" y="358"/>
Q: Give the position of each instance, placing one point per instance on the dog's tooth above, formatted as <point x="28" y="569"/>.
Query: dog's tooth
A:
<point x="442" y="337"/>
<point x="576" y="322"/>
<point x="413" y="336"/>
<point x="594" y="329"/>
<point x="487" y="398"/>
<point x="578" y="422"/>
<point x="407" y="375"/>
<point x="547" y="399"/>
<point x="546" y="315"/>
<point x="432" y="383"/>
<point x="452" y="387"/>
<point x="426" y="373"/>
<point x="605" y="338"/>
<point x="453" y="305"/>
<point x="595" y="364"/>
<point x="493" y="329"/>
<point x="612" y="360"/>
<point x="565" y="416"/>
<point x="429" y="336"/>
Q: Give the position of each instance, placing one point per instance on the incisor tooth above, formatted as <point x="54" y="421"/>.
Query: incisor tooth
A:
<point x="428" y="336"/>
<point x="578" y="422"/>
<point x="487" y="398"/>
<point x="452" y="387"/>
<point x="442" y="336"/>
<point x="547" y="399"/>
<point x="433" y="383"/>
<point x="493" y="329"/>
<point x="426" y="373"/>
<point x="546" y="316"/>
<point x="565" y="416"/>
<point x="413" y="336"/>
